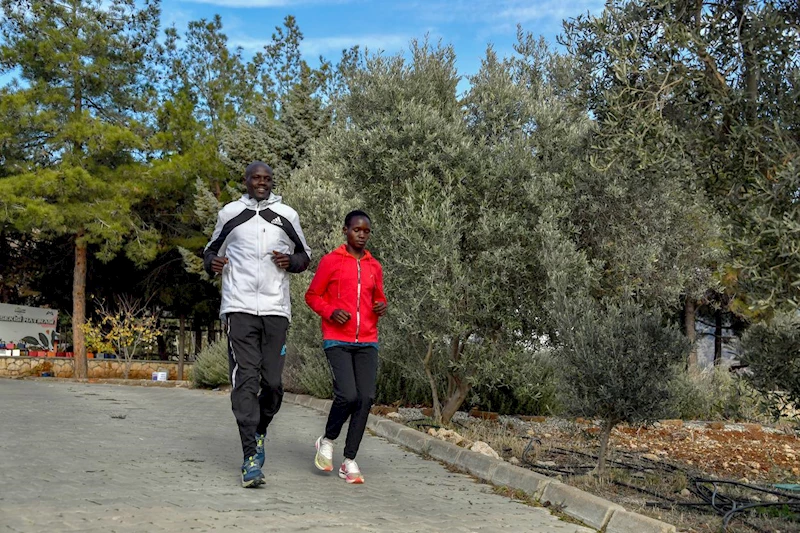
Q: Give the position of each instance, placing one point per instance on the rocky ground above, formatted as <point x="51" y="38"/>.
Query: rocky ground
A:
<point x="662" y="469"/>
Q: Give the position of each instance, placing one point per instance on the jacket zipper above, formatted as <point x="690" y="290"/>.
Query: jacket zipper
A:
<point x="358" y="299"/>
<point x="258" y="264"/>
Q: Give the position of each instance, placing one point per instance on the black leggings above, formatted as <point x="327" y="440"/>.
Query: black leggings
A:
<point x="355" y="369"/>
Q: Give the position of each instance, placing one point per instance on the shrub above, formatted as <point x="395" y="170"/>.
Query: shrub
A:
<point x="714" y="394"/>
<point x="533" y="390"/>
<point x="211" y="367"/>
<point x="615" y="362"/>
<point x="772" y="353"/>
<point x="401" y="382"/>
<point x="311" y="374"/>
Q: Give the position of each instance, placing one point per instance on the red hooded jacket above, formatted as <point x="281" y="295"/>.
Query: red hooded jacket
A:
<point x="344" y="282"/>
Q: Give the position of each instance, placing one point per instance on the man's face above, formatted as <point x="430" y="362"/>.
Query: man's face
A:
<point x="259" y="183"/>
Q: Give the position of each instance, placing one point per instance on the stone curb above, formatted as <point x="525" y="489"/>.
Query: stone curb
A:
<point x="185" y="384"/>
<point x="592" y="510"/>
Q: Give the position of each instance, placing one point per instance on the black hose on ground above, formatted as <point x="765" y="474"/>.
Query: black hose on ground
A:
<point x="707" y="489"/>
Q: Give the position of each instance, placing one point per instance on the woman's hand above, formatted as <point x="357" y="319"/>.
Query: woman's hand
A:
<point x="340" y="316"/>
<point x="379" y="308"/>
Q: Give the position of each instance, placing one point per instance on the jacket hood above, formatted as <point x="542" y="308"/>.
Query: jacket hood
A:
<point x="251" y="202"/>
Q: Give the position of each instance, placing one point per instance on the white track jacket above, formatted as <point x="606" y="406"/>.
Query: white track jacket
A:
<point x="246" y="233"/>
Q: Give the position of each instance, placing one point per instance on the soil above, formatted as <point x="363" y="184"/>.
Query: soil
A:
<point x="668" y="470"/>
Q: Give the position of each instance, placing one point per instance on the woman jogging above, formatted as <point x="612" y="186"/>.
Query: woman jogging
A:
<point x="347" y="292"/>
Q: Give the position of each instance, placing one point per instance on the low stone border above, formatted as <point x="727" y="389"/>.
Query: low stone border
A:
<point x="111" y="381"/>
<point x="592" y="510"/>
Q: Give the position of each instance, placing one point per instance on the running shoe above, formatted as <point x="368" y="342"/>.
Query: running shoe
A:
<point x="324" y="458"/>
<point x="350" y="472"/>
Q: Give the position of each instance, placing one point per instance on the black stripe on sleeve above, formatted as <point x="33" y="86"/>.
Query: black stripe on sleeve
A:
<point x="213" y="248"/>
<point x="299" y="260"/>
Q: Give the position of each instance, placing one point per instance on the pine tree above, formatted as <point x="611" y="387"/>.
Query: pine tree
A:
<point x="86" y="88"/>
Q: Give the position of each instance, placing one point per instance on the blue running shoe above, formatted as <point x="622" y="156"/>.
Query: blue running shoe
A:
<point x="260" y="456"/>
<point x="251" y="473"/>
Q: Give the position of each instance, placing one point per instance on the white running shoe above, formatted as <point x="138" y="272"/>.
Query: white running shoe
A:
<point x="350" y="472"/>
<point x="324" y="458"/>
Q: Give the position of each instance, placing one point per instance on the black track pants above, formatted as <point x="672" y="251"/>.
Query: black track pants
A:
<point x="256" y="356"/>
<point x="355" y="370"/>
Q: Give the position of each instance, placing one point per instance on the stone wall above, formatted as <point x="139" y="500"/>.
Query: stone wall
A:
<point x="62" y="367"/>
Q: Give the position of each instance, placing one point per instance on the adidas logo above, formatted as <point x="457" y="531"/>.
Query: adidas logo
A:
<point x="276" y="221"/>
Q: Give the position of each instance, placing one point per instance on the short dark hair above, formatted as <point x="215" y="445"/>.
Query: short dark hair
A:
<point x="253" y="166"/>
<point x="355" y="214"/>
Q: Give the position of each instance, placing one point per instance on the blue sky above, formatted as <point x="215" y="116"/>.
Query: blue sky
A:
<point x="329" y="26"/>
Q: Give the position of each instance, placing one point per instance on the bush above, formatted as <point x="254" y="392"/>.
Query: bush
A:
<point x="401" y="383"/>
<point x="211" y="367"/>
<point x="615" y="362"/>
<point x="533" y="390"/>
<point x="310" y="374"/>
<point x="772" y="353"/>
<point x="714" y="394"/>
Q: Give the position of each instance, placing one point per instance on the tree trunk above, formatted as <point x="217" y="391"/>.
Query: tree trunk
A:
<point x="81" y="368"/>
<point x="718" y="337"/>
<point x="437" y="406"/>
<point x="161" y="342"/>
<point x="750" y="61"/>
<point x="198" y="336"/>
<point x="212" y="332"/>
<point x="605" y="433"/>
<point x="690" y="330"/>
<point x="162" y="347"/>
<point x="181" y="345"/>
<point x="455" y="400"/>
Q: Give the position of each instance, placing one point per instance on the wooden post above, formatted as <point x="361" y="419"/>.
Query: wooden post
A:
<point x="181" y="345"/>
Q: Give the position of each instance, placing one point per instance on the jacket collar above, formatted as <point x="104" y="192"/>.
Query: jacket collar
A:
<point x="342" y="250"/>
<point x="252" y="203"/>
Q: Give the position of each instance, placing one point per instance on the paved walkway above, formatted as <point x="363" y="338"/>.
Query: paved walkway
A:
<point x="110" y="458"/>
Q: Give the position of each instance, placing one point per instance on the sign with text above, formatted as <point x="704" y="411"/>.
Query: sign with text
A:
<point x="35" y="326"/>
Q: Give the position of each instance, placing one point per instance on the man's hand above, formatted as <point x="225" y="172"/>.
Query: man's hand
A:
<point x="340" y="316"/>
<point x="281" y="260"/>
<point x="218" y="263"/>
<point x="379" y="308"/>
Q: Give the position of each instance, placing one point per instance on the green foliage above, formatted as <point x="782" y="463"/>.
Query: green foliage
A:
<point x="700" y="100"/>
<point x="772" y="353"/>
<point x="529" y="385"/>
<point x="210" y="369"/>
<point x="402" y="382"/>
<point x="455" y="190"/>
<point x="310" y="373"/>
<point x="617" y="360"/>
<point x="655" y="161"/>
<point x="79" y="169"/>
<point x="714" y="394"/>
<point x="280" y="128"/>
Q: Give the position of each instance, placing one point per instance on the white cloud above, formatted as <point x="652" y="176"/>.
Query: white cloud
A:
<point x="262" y="3"/>
<point x="550" y="9"/>
<point x="510" y="11"/>
<point x="316" y="46"/>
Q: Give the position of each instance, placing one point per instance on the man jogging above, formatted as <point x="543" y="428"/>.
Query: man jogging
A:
<point x="256" y="241"/>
